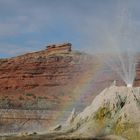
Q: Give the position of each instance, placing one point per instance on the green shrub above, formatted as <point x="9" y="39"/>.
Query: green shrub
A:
<point x="21" y="98"/>
<point x="29" y="94"/>
<point x="5" y="103"/>
<point x="103" y="113"/>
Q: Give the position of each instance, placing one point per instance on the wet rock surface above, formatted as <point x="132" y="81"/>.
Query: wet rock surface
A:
<point x="114" y="112"/>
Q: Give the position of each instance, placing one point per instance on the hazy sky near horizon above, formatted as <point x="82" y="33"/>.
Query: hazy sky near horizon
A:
<point x="29" y="25"/>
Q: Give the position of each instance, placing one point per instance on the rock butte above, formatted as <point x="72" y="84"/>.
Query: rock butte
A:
<point x="56" y="68"/>
<point x="51" y="74"/>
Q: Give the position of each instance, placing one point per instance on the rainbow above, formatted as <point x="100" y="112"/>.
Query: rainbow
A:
<point x="83" y="85"/>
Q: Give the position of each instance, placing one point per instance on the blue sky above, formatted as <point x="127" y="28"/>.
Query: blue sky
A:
<point x="29" y="25"/>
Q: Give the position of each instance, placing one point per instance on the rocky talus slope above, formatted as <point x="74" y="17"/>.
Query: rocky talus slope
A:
<point x="113" y="114"/>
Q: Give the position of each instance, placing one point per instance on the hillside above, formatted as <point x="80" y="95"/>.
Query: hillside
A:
<point x="50" y="78"/>
<point x="49" y="75"/>
<point x="114" y="114"/>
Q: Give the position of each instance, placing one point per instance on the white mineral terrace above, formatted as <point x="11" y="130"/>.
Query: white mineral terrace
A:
<point x="129" y="85"/>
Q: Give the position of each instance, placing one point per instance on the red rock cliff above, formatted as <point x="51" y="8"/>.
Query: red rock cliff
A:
<point x="54" y="74"/>
<point x="54" y="66"/>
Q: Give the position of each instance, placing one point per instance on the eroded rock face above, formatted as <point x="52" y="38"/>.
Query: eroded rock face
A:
<point x="40" y="69"/>
<point x="44" y="74"/>
<point x="53" y="76"/>
<point x="137" y="78"/>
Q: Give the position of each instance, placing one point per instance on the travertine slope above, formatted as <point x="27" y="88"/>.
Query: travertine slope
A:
<point x="115" y="111"/>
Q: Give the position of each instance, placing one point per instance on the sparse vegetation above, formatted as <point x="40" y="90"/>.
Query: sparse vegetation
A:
<point x="62" y="93"/>
<point x="40" y="97"/>
<point x="29" y="94"/>
<point x="5" y="103"/>
<point x="21" y="98"/>
<point x="42" y="103"/>
<point x="103" y="113"/>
